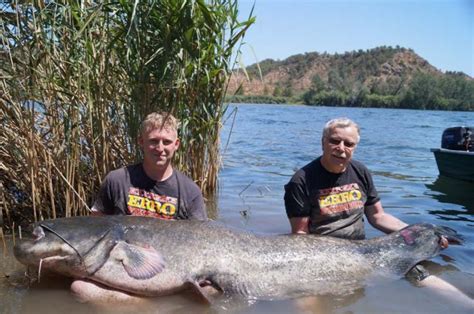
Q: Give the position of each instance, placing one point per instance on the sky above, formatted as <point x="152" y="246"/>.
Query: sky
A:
<point x="440" y="31"/>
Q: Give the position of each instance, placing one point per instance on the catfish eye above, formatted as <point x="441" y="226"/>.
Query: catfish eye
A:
<point x="38" y="233"/>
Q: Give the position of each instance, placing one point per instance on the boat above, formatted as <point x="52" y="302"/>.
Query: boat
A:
<point x="455" y="158"/>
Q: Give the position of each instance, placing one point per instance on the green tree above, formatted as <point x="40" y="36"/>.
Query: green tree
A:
<point x="422" y="93"/>
<point x="318" y="84"/>
<point x="277" y="92"/>
<point x="287" y="91"/>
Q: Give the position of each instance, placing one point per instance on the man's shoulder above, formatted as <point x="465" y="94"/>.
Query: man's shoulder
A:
<point x="123" y="172"/>
<point x="358" y="165"/>
<point x="313" y="165"/>
<point x="306" y="170"/>
<point x="186" y="180"/>
<point x="359" y="170"/>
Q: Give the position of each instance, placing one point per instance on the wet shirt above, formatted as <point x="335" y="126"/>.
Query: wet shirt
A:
<point x="129" y="191"/>
<point x="333" y="202"/>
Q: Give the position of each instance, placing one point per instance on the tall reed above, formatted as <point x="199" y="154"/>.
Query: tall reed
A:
<point x="76" y="79"/>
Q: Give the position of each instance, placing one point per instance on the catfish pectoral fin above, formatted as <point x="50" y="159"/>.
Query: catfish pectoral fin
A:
<point x="98" y="254"/>
<point x="140" y="262"/>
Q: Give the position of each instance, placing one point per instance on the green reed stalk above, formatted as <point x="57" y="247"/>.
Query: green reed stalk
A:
<point x="77" y="77"/>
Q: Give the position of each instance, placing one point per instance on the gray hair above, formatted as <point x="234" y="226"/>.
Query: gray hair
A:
<point x="340" y="123"/>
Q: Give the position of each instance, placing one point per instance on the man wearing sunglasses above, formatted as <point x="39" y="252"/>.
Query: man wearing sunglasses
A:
<point x="331" y="194"/>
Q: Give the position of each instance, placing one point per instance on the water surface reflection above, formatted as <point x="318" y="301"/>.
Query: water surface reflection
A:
<point x="451" y="191"/>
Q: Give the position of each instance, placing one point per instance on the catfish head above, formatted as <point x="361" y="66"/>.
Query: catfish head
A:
<point x="68" y="246"/>
<point x="111" y="251"/>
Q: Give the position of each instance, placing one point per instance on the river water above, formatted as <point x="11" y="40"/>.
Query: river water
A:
<point x="262" y="146"/>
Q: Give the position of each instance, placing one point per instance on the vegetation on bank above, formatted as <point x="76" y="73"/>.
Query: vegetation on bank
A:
<point x="425" y="91"/>
<point x="76" y="79"/>
<point x="383" y="77"/>
<point x="258" y="99"/>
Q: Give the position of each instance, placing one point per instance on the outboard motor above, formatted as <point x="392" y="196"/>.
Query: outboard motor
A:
<point x="458" y="138"/>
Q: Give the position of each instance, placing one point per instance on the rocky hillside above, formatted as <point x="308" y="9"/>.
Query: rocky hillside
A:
<point x="378" y="68"/>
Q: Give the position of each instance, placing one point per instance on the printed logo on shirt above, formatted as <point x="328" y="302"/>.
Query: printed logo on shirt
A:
<point x="340" y="199"/>
<point x="145" y="203"/>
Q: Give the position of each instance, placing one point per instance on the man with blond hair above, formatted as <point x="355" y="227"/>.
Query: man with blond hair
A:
<point x="152" y="187"/>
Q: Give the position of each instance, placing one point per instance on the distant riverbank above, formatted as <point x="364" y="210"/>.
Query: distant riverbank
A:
<point x="383" y="77"/>
<point x="362" y="100"/>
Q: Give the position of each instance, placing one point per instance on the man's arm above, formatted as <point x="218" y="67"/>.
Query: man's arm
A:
<point x="198" y="208"/>
<point x="95" y="212"/>
<point x="103" y="203"/>
<point x="297" y="207"/>
<point x="299" y="225"/>
<point x="381" y="220"/>
<point x="387" y="223"/>
<point x="98" y="208"/>
<point x="445" y="289"/>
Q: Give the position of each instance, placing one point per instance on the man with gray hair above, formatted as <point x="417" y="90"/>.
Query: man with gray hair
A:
<point x="152" y="187"/>
<point x="331" y="194"/>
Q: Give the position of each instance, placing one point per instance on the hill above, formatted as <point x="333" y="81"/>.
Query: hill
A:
<point x="379" y="77"/>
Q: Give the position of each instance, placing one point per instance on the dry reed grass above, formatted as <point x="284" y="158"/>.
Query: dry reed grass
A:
<point x="76" y="79"/>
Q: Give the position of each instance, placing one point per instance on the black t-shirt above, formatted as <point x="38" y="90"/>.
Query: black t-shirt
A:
<point x="129" y="191"/>
<point x="333" y="202"/>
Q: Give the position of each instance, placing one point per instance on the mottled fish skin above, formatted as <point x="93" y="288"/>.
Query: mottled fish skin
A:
<point x="151" y="257"/>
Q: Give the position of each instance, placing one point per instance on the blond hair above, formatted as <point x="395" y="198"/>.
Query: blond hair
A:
<point x="159" y="120"/>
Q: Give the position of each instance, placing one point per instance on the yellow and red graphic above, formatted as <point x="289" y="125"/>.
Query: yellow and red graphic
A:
<point x="145" y="203"/>
<point x="340" y="199"/>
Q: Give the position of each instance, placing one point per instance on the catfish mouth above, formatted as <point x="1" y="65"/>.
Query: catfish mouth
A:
<point x="45" y="250"/>
<point x="41" y="234"/>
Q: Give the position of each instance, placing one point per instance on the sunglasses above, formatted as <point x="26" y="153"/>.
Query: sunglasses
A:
<point x="347" y="144"/>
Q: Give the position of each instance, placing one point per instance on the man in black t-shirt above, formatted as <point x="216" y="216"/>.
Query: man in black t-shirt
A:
<point x="331" y="194"/>
<point x="152" y="187"/>
<point x="334" y="203"/>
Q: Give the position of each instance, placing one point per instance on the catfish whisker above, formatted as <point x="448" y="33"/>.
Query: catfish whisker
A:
<point x="39" y="269"/>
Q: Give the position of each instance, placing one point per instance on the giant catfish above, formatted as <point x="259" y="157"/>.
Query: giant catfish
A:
<point x="151" y="257"/>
